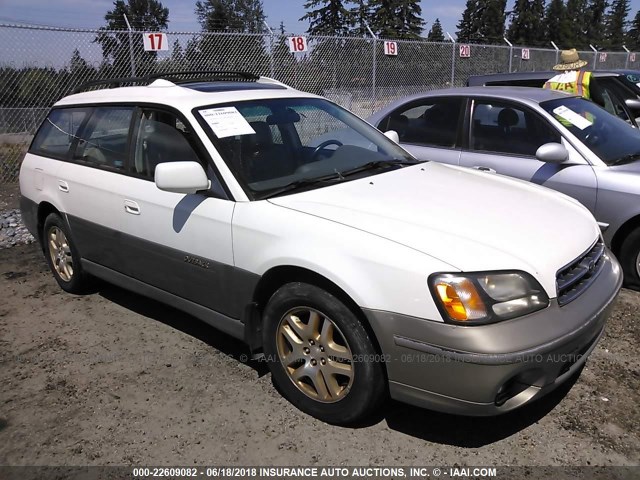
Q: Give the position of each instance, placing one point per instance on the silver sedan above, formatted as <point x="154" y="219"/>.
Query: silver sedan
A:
<point x="550" y="138"/>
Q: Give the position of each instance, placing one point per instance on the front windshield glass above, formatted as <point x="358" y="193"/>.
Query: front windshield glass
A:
<point x="610" y="138"/>
<point x="273" y="144"/>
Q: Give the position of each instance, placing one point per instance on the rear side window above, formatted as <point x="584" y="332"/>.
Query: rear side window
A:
<point x="103" y="141"/>
<point x="428" y="122"/>
<point x="58" y="131"/>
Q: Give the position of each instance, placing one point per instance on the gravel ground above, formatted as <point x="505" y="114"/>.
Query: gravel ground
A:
<point x="114" y="378"/>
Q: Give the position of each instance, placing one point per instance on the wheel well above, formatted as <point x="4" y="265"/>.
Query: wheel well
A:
<point x="275" y="278"/>
<point x="622" y="233"/>
<point x="44" y="210"/>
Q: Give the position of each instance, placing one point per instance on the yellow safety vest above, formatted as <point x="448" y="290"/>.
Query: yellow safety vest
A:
<point x="580" y="86"/>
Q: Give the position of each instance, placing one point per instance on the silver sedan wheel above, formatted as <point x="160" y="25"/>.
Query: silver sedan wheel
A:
<point x="60" y="253"/>
<point x="315" y="354"/>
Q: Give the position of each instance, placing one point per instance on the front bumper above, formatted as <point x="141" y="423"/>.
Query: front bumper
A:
<point x="491" y="369"/>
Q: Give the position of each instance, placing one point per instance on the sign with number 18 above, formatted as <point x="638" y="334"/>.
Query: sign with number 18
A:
<point x="297" y="44"/>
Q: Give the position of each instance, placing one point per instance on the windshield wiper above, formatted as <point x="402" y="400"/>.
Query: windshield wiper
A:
<point x="379" y="164"/>
<point x="632" y="157"/>
<point x="303" y="182"/>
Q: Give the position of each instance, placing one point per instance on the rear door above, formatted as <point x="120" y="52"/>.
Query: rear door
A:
<point x="91" y="184"/>
<point x="503" y="138"/>
<point x="429" y="128"/>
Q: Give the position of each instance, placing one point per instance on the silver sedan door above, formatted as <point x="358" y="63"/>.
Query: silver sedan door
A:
<point x="504" y="137"/>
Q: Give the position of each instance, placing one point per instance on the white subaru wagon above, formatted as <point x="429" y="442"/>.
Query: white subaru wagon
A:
<point x="354" y="270"/>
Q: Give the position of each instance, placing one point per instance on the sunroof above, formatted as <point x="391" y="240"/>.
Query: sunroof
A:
<point x="230" y="86"/>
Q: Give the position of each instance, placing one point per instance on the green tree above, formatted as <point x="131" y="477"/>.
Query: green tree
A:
<point x="143" y="16"/>
<point x="595" y="32"/>
<point x="238" y="15"/>
<point x="79" y="71"/>
<point x="526" y="27"/>
<point x="327" y="17"/>
<point x="396" y="18"/>
<point x="578" y="20"/>
<point x="469" y="24"/>
<point x="555" y="24"/>
<point x="633" y="34"/>
<point x="360" y="16"/>
<point x="216" y="50"/>
<point x="616" y="19"/>
<point x="435" y="33"/>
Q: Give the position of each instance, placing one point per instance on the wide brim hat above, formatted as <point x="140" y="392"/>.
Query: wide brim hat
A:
<point x="570" y="60"/>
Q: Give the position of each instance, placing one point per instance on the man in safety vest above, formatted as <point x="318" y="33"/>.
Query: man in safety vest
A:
<point x="572" y="79"/>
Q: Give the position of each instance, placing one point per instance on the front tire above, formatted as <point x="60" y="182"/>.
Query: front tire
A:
<point x="63" y="257"/>
<point x="630" y="259"/>
<point x="320" y="355"/>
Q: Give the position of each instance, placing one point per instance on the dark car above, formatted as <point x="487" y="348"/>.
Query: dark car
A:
<point x="611" y="89"/>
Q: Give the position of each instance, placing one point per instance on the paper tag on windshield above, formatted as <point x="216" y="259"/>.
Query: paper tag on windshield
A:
<point x="572" y="117"/>
<point x="226" y="122"/>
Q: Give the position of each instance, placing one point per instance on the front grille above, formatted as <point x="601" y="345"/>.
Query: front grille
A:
<point x="576" y="277"/>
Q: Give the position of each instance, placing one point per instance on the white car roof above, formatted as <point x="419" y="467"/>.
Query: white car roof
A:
<point x="188" y="95"/>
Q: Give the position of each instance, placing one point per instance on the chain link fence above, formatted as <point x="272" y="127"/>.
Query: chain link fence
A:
<point x="40" y="65"/>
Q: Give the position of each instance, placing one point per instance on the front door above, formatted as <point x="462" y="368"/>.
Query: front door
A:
<point x="504" y="137"/>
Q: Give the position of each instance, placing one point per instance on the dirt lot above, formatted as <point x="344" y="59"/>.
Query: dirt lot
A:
<point x="114" y="378"/>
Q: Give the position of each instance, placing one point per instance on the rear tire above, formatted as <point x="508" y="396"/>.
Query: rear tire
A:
<point x="630" y="259"/>
<point x="320" y="355"/>
<point x="62" y="256"/>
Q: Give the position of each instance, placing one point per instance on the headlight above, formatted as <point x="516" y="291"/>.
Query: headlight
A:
<point x="486" y="297"/>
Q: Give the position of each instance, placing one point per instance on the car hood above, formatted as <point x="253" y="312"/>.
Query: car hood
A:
<point x="471" y="220"/>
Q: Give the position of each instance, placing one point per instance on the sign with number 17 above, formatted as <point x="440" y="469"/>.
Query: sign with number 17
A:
<point x="155" y="41"/>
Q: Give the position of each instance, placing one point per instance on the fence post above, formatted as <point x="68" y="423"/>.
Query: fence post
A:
<point x="626" y="60"/>
<point x="133" y="63"/>
<point x="453" y="59"/>
<point x="374" y="73"/>
<point x="271" y="68"/>
<point x="595" y="55"/>
<point x="510" y="52"/>
<point x="557" y="51"/>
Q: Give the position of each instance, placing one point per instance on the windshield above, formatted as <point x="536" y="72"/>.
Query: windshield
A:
<point x="610" y="138"/>
<point x="275" y="143"/>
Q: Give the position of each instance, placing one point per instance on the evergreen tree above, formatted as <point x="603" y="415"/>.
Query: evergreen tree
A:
<point x="578" y="19"/>
<point x="435" y="33"/>
<point x="526" y="26"/>
<point x="468" y="26"/>
<point x="245" y="52"/>
<point x="239" y="15"/>
<point x="490" y="21"/>
<point x="143" y="15"/>
<point x="555" y="24"/>
<point x="616" y="18"/>
<point x="330" y="17"/>
<point x="633" y="35"/>
<point x="594" y="32"/>
<point x="360" y="16"/>
<point x="396" y="18"/>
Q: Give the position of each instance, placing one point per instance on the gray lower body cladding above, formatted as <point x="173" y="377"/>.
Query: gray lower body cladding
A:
<point x="491" y="369"/>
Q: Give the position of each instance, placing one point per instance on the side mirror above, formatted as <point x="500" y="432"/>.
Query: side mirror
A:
<point x="181" y="177"/>
<point x="633" y="103"/>
<point x="392" y="135"/>
<point x="552" y="153"/>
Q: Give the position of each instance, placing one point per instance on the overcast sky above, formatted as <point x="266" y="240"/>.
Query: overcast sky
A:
<point x="90" y="13"/>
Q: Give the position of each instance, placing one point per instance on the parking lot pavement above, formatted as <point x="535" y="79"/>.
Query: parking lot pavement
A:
<point x="115" y="378"/>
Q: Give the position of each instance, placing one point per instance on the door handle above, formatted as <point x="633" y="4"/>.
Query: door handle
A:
<point x="131" y="207"/>
<point x="63" y="186"/>
<point x="484" y="169"/>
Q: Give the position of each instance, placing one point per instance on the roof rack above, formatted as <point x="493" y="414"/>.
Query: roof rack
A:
<point x="179" y="77"/>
